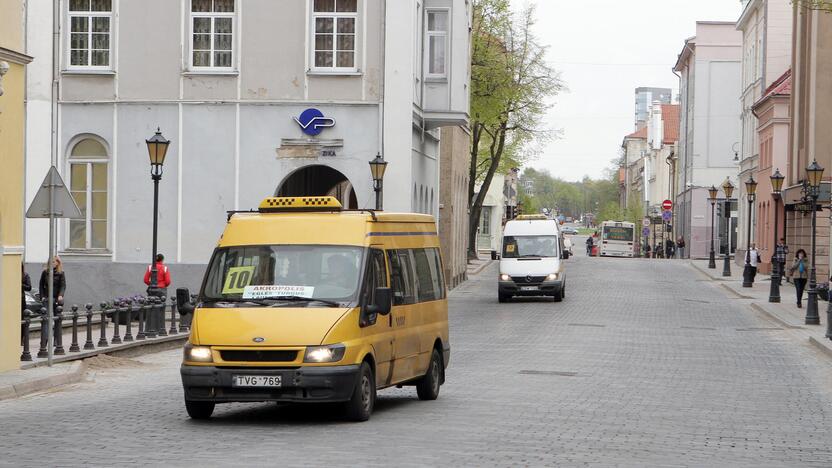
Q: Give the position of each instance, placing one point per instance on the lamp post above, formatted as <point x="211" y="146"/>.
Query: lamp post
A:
<point x="776" y="190"/>
<point x="748" y="272"/>
<point x="712" y="193"/>
<point x="157" y="148"/>
<point x="814" y="174"/>
<point x="377" y="168"/>
<point x="728" y="188"/>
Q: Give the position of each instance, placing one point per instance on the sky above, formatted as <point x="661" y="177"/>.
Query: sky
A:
<point x="604" y="49"/>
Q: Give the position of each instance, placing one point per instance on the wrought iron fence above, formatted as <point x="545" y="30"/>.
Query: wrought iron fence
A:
<point x="156" y="317"/>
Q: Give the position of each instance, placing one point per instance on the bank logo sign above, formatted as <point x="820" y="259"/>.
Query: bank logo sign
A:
<point x="312" y="121"/>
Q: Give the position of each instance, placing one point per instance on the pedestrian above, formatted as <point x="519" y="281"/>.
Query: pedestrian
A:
<point x="589" y="243"/>
<point x="162" y="278"/>
<point x="781" y="252"/>
<point x="647" y="249"/>
<point x="753" y="258"/>
<point x="669" y="248"/>
<point x="680" y="245"/>
<point x="58" y="281"/>
<point x="799" y="272"/>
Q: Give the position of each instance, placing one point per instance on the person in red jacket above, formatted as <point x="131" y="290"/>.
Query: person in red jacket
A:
<point x="162" y="277"/>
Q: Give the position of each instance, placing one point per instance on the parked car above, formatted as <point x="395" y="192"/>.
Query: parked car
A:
<point x="32" y="301"/>
<point x="568" y="230"/>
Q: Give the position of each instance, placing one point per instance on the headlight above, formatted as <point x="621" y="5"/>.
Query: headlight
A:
<point x="331" y="353"/>
<point x="552" y="277"/>
<point x="505" y="277"/>
<point x="198" y="353"/>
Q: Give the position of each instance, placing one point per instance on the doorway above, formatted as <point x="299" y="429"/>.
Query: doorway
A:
<point x="318" y="180"/>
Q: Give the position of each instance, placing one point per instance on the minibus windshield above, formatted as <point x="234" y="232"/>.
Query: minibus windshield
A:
<point x="530" y="246"/>
<point x="284" y="275"/>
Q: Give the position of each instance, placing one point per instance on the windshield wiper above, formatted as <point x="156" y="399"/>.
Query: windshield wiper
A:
<point x="235" y="302"/>
<point x="304" y="299"/>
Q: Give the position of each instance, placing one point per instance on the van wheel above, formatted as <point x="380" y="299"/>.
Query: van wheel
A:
<point x="199" y="409"/>
<point x="428" y="386"/>
<point x="558" y="296"/>
<point x="503" y="298"/>
<point x="360" y="406"/>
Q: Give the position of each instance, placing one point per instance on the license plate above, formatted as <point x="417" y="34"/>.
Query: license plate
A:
<point x="529" y="288"/>
<point x="256" y="381"/>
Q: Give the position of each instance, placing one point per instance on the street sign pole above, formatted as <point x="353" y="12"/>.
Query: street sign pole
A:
<point x="52" y="201"/>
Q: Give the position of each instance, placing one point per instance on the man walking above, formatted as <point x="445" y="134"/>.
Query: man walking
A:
<point x="781" y="252"/>
<point x="162" y="277"/>
<point x="753" y="260"/>
<point x="680" y="245"/>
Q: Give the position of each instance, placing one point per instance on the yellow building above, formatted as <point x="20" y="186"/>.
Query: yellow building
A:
<point x="12" y="121"/>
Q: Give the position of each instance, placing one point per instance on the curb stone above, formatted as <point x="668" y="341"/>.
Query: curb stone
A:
<point x="74" y="374"/>
<point x="480" y="268"/>
<point x="824" y="348"/>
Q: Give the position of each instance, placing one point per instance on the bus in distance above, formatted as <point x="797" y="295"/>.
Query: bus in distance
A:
<point x="617" y="239"/>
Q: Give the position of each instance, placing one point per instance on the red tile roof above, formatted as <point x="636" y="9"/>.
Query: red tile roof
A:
<point x="781" y="87"/>
<point x="670" y="115"/>
<point x="640" y="134"/>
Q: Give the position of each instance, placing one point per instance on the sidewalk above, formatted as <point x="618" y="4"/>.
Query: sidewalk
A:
<point x="476" y="266"/>
<point x="785" y="312"/>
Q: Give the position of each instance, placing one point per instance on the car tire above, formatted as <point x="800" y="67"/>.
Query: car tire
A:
<point x="199" y="409"/>
<point x="502" y="298"/>
<point x="428" y="386"/>
<point x="558" y="296"/>
<point x="360" y="406"/>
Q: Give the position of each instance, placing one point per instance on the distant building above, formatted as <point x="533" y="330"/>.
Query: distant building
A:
<point x="645" y="97"/>
<point x="709" y="67"/>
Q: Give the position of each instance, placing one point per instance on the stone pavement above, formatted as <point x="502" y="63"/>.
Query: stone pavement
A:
<point x="784" y="313"/>
<point x="645" y="363"/>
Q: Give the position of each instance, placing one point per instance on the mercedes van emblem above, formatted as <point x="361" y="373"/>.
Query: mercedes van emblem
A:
<point x="258" y="339"/>
<point x="529" y="278"/>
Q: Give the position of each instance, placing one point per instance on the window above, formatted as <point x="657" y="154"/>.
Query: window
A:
<point x="429" y="277"/>
<point x="89" y="33"/>
<point x="437" y="43"/>
<point x="401" y="274"/>
<point x="485" y="223"/>
<point x="334" y="29"/>
<point x="88" y="185"/>
<point x="212" y="33"/>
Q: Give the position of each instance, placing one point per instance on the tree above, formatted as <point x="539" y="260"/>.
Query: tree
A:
<point x="511" y="85"/>
<point x="822" y="5"/>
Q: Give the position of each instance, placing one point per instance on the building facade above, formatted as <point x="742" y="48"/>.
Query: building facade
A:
<point x="455" y="157"/>
<point x="493" y="216"/>
<point x="645" y="97"/>
<point x="13" y="61"/>
<point x="259" y="99"/>
<point x="766" y="54"/>
<point x="709" y="69"/>
<point x="811" y="111"/>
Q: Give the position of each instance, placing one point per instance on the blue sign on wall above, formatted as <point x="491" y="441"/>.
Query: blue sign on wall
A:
<point x="312" y="122"/>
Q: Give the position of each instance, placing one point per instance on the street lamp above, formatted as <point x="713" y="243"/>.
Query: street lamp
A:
<point x="814" y="174"/>
<point x="377" y="168"/>
<point x="747" y="272"/>
<point x="728" y="188"/>
<point x="776" y="190"/>
<point x="712" y="193"/>
<point x="157" y="149"/>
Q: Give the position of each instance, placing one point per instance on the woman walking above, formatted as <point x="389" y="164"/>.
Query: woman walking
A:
<point x="58" y="283"/>
<point x="800" y="273"/>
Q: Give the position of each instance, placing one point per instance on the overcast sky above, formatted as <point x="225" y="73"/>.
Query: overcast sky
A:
<point x="605" y="49"/>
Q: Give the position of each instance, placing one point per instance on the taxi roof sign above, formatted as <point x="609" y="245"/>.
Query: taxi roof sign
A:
<point x="274" y="204"/>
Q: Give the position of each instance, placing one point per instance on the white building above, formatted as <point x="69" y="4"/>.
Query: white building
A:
<point x="709" y="69"/>
<point x="766" y="27"/>
<point x="289" y="97"/>
<point x="490" y="232"/>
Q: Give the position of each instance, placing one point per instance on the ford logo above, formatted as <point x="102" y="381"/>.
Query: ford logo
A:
<point x="258" y="339"/>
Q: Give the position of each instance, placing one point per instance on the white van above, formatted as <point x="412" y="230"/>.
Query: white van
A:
<point x="531" y="261"/>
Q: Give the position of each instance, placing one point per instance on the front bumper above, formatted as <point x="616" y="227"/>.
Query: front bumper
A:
<point x="302" y="384"/>
<point x="546" y="288"/>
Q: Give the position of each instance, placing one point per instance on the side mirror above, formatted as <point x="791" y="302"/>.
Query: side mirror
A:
<point x="383" y="303"/>
<point x="183" y="301"/>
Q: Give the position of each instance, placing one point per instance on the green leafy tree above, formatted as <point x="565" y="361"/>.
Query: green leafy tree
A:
<point x="822" y="5"/>
<point x="511" y="85"/>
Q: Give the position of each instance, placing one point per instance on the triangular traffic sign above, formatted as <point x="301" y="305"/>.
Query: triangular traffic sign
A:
<point x="62" y="204"/>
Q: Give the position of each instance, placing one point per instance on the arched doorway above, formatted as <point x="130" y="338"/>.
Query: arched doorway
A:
<point x="319" y="181"/>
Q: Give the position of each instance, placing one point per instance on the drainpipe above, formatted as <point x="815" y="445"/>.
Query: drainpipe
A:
<point x="56" y="63"/>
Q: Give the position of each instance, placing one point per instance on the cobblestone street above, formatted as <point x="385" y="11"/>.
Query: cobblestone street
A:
<point x="644" y="363"/>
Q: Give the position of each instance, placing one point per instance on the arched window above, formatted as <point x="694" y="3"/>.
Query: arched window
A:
<point x="88" y="185"/>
